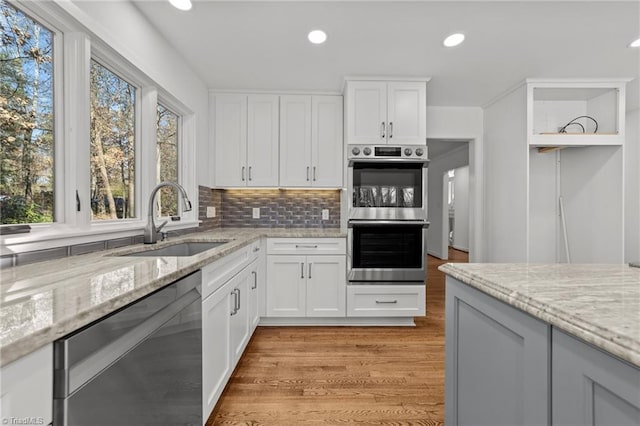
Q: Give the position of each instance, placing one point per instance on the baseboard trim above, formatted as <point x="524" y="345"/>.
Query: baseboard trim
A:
<point x="339" y="322"/>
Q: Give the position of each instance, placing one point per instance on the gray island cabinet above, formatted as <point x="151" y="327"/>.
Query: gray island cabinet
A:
<point x="529" y="345"/>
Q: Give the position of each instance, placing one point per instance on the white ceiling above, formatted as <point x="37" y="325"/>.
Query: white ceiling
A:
<point x="262" y="45"/>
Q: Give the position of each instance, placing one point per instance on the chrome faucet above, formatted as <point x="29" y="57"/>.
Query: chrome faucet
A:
<point x="150" y="230"/>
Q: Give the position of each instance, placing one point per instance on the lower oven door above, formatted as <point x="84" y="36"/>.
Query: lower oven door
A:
<point x="386" y="251"/>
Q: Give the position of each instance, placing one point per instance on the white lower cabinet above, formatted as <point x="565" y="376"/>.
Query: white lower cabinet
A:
<point x="386" y="300"/>
<point x="216" y="355"/>
<point x="306" y="277"/>
<point x="229" y="316"/>
<point x="306" y="286"/>
<point x="26" y="394"/>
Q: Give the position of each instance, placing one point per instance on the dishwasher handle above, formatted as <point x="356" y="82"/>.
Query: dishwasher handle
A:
<point x="86" y="369"/>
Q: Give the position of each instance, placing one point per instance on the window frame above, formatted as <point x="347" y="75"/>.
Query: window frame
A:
<point x="74" y="48"/>
<point x="161" y="102"/>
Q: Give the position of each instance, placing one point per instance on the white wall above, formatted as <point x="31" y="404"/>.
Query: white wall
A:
<point x="121" y="25"/>
<point x="461" y="212"/>
<point x="465" y="123"/>
<point x="506" y="165"/>
<point x="632" y="187"/>
<point x="436" y="240"/>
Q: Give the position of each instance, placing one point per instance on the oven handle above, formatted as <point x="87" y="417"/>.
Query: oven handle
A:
<point x="351" y="224"/>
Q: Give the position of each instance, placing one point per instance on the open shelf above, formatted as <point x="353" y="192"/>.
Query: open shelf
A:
<point x="559" y="110"/>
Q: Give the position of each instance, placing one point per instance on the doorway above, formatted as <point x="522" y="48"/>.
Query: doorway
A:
<point x="446" y="155"/>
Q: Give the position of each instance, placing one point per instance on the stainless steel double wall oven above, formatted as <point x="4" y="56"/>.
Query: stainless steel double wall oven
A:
<point x="387" y="223"/>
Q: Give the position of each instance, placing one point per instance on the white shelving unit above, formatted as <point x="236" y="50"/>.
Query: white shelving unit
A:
<point x="556" y="197"/>
<point x="552" y="104"/>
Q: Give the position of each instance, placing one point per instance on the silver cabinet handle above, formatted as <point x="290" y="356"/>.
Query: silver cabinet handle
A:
<point x="386" y="301"/>
<point x="249" y="172"/>
<point x="255" y="280"/>
<point x="307" y="173"/>
<point x="243" y="173"/>
<point x="310" y="269"/>
<point x="382" y="130"/>
<point x="314" y="173"/>
<point x="390" y="129"/>
<point x="238" y="290"/>
<point x="302" y="270"/>
<point x="235" y="302"/>
<point x="306" y="246"/>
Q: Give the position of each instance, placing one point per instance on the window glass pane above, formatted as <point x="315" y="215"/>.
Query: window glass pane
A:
<point x="167" y="157"/>
<point x="26" y="119"/>
<point x="112" y="145"/>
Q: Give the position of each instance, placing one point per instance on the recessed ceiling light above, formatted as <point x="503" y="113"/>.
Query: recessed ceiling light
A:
<point x="181" y="4"/>
<point x="453" y="40"/>
<point x="635" y="43"/>
<point x="317" y="36"/>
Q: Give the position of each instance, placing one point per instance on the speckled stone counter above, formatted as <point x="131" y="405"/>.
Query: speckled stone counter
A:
<point x="44" y="301"/>
<point x="599" y="304"/>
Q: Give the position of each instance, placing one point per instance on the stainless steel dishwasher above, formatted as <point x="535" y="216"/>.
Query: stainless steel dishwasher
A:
<point x="139" y="366"/>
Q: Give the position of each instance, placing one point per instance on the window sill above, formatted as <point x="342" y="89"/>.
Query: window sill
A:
<point x="46" y="237"/>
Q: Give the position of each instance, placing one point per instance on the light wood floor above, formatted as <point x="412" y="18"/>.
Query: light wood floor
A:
<point x="343" y="375"/>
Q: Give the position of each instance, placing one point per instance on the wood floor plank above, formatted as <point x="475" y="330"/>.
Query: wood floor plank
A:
<point x="343" y="375"/>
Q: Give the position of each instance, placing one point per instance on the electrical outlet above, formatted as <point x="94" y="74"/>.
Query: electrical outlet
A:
<point x="256" y="212"/>
<point x="325" y="214"/>
<point x="211" y="212"/>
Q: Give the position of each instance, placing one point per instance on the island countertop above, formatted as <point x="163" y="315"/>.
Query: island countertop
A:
<point x="599" y="304"/>
<point x="44" y="301"/>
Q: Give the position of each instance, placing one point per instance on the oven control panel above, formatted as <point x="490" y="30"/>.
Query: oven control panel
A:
<point x="387" y="152"/>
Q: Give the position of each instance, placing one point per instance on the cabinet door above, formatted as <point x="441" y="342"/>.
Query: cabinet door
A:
<point x="591" y="387"/>
<point x="286" y="292"/>
<point x="230" y="140"/>
<point x="254" y="291"/>
<point x="497" y="361"/>
<point x="216" y="353"/>
<point x="326" y="286"/>
<point x="262" y="140"/>
<point x="295" y="140"/>
<point x="27" y="387"/>
<point x="366" y="112"/>
<point x="326" y="141"/>
<point x="239" y="293"/>
<point x="407" y="113"/>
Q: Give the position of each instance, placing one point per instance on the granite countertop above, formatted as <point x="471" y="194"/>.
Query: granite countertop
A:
<point x="44" y="301"/>
<point x="599" y="304"/>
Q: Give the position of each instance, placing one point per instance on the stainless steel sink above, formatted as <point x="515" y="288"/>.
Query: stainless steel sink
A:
<point x="179" y="249"/>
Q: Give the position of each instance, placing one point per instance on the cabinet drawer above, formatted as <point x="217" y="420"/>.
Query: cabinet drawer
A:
<point x="386" y="300"/>
<point x="220" y="271"/>
<point x="306" y="246"/>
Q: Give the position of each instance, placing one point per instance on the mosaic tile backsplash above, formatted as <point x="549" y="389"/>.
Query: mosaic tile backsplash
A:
<point x="279" y="208"/>
<point x="209" y="198"/>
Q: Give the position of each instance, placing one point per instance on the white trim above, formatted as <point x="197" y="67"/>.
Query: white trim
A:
<point x="272" y="92"/>
<point x="344" y="321"/>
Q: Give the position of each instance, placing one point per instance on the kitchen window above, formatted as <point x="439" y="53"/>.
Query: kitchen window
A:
<point x="113" y="137"/>
<point x="27" y="193"/>
<point x="85" y="174"/>
<point x="167" y="140"/>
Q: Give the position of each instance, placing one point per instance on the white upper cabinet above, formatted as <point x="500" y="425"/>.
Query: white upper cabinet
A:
<point x="326" y="141"/>
<point x="386" y="112"/>
<point x="262" y="140"/>
<point x="311" y="141"/>
<point x="246" y="140"/>
<point x="295" y="140"/>
<point x="230" y="140"/>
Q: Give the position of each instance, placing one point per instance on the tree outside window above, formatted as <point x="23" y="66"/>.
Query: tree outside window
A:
<point x="112" y="130"/>
<point x="26" y="119"/>
<point x="167" y="157"/>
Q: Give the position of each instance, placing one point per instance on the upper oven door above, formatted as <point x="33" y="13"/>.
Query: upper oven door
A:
<point x="386" y="185"/>
<point x="386" y="251"/>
